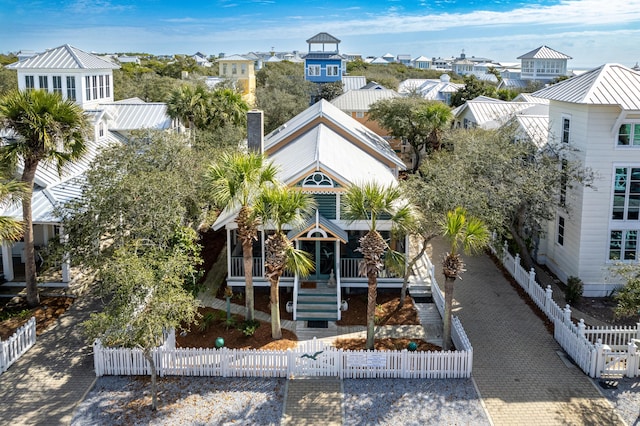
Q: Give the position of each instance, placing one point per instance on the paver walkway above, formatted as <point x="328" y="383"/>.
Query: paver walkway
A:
<point x="521" y="377"/>
<point x="44" y="386"/>
<point x="313" y="401"/>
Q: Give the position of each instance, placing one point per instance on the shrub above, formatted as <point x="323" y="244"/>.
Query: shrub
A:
<point x="207" y="319"/>
<point x="249" y="327"/>
<point x="573" y="292"/>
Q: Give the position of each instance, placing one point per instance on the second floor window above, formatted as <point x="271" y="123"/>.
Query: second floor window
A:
<point x="626" y="194"/>
<point x="43" y="80"/>
<point x="629" y="135"/>
<point x="71" y="88"/>
<point x="566" y="127"/>
<point x="313" y="70"/>
<point x="332" y="70"/>
<point x="57" y="84"/>
<point x="623" y="245"/>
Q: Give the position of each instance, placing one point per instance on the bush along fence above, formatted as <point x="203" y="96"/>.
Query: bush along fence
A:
<point x="598" y="351"/>
<point x="14" y="347"/>
<point x="310" y="358"/>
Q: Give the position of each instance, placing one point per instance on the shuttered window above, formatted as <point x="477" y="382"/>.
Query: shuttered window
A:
<point x="326" y="205"/>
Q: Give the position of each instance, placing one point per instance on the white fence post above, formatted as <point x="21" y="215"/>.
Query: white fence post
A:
<point x="567" y="314"/>
<point x="532" y="280"/>
<point x="632" y="359"/>
<point x="516" y="264"/>
<point x="600" y="358"/>
<point x="548" y="299"/>
<point x="581" y="328"/>
<point x="98" y="363"/>
<point x="505" y="250"/>
<point x="638" y="330"/>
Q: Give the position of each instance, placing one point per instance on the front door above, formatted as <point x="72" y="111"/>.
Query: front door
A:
<point x="323" y="255"/>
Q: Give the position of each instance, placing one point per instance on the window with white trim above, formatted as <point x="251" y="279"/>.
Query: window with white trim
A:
<point x="94" y="86"/>
<point x="43" y="82"/>
<point x="332" y="70"/>
<point x="29" y="82"/>
<point x="313" y="71"/>
<point x="629" y="135"/>
<point x="566" y="128"/>
<point x="71" y="88"/>
<point x="57" y="84"/>
<point x="564" y="165"/>
<point x="560" y="238"/>
<point x="101" y="79"/>
<point x="359" y="114"/>
<point x="107" y="85"/>
<point x="317" y="179"/>
<point x="626" y="194"/>
<point x="87" y="83"/>
<point x="623" y="245"/>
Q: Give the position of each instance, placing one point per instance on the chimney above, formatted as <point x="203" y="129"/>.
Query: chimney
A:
<point x="255" y="131"/>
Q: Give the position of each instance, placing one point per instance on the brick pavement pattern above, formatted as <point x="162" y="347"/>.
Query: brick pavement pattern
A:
<point x="516" y="364"/>
<point x="313" y="401"/>
<point x="44" y="386"/>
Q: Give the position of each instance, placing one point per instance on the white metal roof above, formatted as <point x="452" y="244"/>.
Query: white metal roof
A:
<point x="359" y="133"/>
<point x="609" y="84"/>
<point x="322" y="148"/>
<point x="354" y="82"/>
<point x="64" y="57"/>
<point x="535" y="127"/>
<point x="361" y="100"/>
<point x="235" y="58"/>
<point x="492" y="114"/>
<point x="129" y="116"/>
<point x="544" y="52"/>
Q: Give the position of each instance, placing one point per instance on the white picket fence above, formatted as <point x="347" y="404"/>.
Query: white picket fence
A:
<point x="311" y="358"/>
<point x="599" y="351"/>
<point x="17" y="345"/>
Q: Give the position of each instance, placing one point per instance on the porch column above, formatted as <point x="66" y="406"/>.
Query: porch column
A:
<point x="7" y="260"/>
<point x="66" y="263"/>
<point x="338" y="274"/>
<point x="229" y="271"/>
<point x="262" y="253"/>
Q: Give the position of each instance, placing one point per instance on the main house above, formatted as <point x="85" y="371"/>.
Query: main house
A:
<point x="322" y="151"/>
<point x="87" y="80"/>
<point x="598" y="113"/>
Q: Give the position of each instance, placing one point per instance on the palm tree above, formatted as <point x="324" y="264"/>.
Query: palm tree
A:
<point x="49" y="130"/>
<point x="236" y="181"/>
<point x="188" y="104"/>
<point x="470" y="234"/>
<point x="278" y="207"/>
<point x="226" y="108"/>
<point x="371" y="202"/>
<point x="11" y="229"/>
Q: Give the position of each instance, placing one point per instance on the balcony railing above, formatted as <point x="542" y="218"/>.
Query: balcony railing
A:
<point x="348" y="268"/>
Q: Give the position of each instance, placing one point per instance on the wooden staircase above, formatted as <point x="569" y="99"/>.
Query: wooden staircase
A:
<point x="317" y="304"/>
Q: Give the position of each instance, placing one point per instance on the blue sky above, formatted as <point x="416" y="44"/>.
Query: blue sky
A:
<point x="593" y="32"/>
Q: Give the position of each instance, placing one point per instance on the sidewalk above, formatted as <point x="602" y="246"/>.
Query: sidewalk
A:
<point x="44" y="386"/>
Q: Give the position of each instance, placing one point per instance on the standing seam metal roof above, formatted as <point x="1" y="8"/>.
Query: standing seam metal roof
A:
<point x="64" y="57"/>
<point x="544" y="52"/>
<point x="609" y="84"/>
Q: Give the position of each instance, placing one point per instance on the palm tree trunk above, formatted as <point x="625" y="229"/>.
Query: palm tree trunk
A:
<point x="247" y="258"/>
<point x="448" y="305"/>
<point x="372" y="294"/>
<point x="276" y="330"/>
<point x="28" y="175"/>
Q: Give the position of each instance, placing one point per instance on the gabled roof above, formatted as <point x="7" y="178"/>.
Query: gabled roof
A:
<point x="609" y="84"/>
<point x="352" y="132"/>
<point x="319" y="222"/>
<point x="361" y="100"/>
<point x="64" y="57"/>
<point x="353" y="82"/>
<point x="535" y="127"/>
<point x="323" y="38"/>
<point x="422" y="59"/>
<point x="494" y="113"/>
<point x="544" y="52"/>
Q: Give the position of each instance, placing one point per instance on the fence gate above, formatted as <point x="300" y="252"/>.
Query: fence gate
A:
<point x="314" y="358"/>
<point x="615" y="363"/>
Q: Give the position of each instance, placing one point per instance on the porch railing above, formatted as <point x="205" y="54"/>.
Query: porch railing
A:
<point x="237" y="267"/>
<point x="349" y="269"/>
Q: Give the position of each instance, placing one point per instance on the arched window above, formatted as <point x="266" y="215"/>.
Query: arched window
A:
<point x="317" y="179"/>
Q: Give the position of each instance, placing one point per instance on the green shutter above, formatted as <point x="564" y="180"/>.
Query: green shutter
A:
<point x="326" y="205"/>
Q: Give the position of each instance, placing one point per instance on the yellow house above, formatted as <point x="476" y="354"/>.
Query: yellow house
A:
<point x="242" y="72"/>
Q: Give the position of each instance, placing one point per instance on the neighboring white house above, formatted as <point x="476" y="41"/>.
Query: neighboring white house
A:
<point x="543" y="64"/>
<point x="490" y="113"/>
<point x="431" y="89"/>
<point x="87" y="80"/>
<point x="598" y="113"/>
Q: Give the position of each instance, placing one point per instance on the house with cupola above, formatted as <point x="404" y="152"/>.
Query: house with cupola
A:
<point x="87" y="80"/>
<point x="598" y="113"/>
<point x="321" y="151"/>
<point x="543" y="64"/>
<point x="323" y="63"/>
